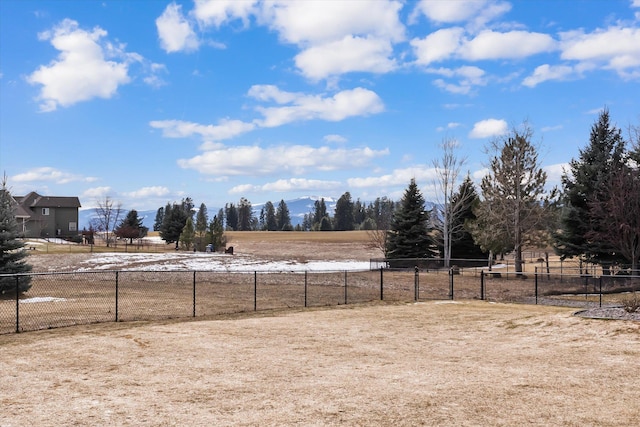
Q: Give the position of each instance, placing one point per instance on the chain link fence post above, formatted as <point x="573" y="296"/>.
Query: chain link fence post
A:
<point x="194" y="294"/>
<point x="416" y="280"/>
<point x="116" y="296"/>
<point x="345" y="287"/>
<point x="17" y="304"/>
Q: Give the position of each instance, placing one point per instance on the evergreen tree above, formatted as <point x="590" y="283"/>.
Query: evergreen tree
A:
<point x="307" y="222"/>
<point x="188" y="207"/>
<point x="409" y="236"/>
<point x="231" y="215"/>
<point x="158" y="221"/>
<point x="463" y="245"/>
<point x="586" y="182"/>
<point x="221" y="217"/>
<point x="381" y="212"/>
<point x="510" y="212"/>
<point x="202" y="221"/>
<point x="131" y="227"/>
<point x="283" y="218"/>
<point x="215" y="234"/>
<point x="325" y="224"/>
<point x="319" y="213"/>
<point x="12" y="253"/>
<point x="343" y="218"/>
<point x="175" y="218"/>
<point x="271" y="222"/>
<point x="188" y="234"/>
<point x="359" y="213"/>
<point x="246" y="218"/>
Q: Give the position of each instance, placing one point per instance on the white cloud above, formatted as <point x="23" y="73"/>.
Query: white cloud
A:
<point x="82" y="70"/>
<point x="338" y="37"/>
<point x="296" y="159"/>
<point x="175" y="31"/>
<point x="488" y="128"/>
<point x="437" y="46"/>
<point x="350" y="54"/>
<point x="551" y="128"/>
<point x="344" y="104"/>
<point x="96" y="192"/>
<point x="318" y="22"/>
<point x="225" y="129"/>
<point x="397" y="177"/>
<point x="476" y="12"/>
<point x="301" y="107"/>
<point x="451" y="43"/>
<point x="219" y="12"/>
<point x="509" y="45"/>
<point x="616" y="48"/>
<point x="449" y="126"/>
<point x="468" y="77"/>
<point x="49" y="174"/>
<point x="284" y="185"/>
<point x="335" y="138"/>
<point x="157" y="191"/>
<point x="548" y="72"/>
<point x="335" y="37"/>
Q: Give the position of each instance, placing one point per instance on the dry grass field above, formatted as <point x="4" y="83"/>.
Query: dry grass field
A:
<point x="433" y="363"/>
<point x="463" y="362"/>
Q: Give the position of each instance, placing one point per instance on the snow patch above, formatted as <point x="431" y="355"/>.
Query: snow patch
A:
<point x="41" y="299"/>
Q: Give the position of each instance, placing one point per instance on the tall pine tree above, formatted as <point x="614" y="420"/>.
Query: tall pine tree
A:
<point x="409" y="236"/>
<point x="283" y="217"/>
<point x="586" y="182"/>
<point x="12" y="253"/>
<point x="463" y="245"/>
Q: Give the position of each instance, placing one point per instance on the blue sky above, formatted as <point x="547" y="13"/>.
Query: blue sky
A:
<point x="150" y="101"/>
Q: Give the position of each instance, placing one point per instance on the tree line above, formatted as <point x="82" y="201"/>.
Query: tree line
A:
<point x="594" y="216"/>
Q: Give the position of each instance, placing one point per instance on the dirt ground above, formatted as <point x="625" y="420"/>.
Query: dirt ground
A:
<point x="433" y="363"/>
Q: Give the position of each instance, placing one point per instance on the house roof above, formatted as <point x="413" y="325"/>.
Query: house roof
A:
<point x="34" y="200"/>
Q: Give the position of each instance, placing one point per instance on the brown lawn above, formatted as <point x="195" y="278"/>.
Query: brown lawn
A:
<point x="429" y="363"/>
<point x="378" y="364"/>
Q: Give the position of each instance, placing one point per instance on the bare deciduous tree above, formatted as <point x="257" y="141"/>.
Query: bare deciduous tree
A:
<point x="107" y="216"/>
<point x="448" y="207"/>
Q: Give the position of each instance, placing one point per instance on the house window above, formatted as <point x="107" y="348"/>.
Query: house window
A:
<point x="45" y="211"/>
<point x="73" y="226"/>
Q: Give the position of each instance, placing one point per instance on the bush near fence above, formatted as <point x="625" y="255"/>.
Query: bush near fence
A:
<point x="65" y="299"/>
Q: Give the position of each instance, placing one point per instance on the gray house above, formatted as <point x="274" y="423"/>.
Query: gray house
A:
<point x="47" y="216"/>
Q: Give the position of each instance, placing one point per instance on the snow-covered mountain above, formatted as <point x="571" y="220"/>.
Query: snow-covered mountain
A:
<point x="86" y="215"/>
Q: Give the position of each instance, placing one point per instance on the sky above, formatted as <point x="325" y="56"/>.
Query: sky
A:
<point x="148" y="102"/>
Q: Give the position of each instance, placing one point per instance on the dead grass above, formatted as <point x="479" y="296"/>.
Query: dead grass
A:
<point x="464" y="363"/>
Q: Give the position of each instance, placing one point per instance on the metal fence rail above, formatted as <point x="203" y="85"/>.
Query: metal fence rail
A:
<point x="66" y="299"/>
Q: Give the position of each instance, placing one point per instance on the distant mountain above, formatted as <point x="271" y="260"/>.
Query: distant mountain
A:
<point x="86" y="215"/>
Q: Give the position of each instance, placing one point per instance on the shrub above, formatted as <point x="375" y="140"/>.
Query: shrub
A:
<point x="631" y="302"/>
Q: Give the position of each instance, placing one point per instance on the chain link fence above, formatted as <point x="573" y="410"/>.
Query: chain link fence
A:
<point x="65" y="299"/>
